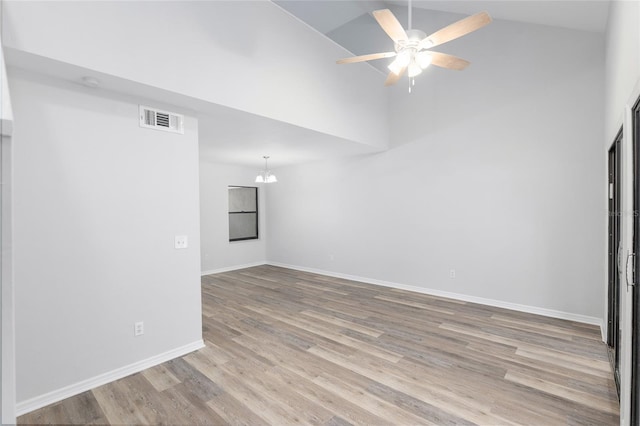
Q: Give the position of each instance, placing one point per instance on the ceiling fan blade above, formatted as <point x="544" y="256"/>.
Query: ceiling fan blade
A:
<point x="451" y="62"/>
<point x="455" y="30"/>
<point x="390" y="25"/>
<point x="363" y="58"/>
<point x="393" y="78"/>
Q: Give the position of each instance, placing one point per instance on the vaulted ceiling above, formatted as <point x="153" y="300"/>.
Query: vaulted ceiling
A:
<point x="350" y="24"/>
<point x="238" y="137"/>
<point x="327" y="16"/>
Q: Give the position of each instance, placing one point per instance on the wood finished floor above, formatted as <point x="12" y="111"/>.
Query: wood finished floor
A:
<point x="287" y="347"/>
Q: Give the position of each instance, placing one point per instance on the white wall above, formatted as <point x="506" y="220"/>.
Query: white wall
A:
<point x="217" y="252"/>
<point x="248" y="55"/>
<point x="622" y="86"/>
<point x="495" y="172"/>
<point x="622" y="62"/>
<point x="6" y="112"/>
<point x="7" y="338"/>
<point x="98" y="201"/>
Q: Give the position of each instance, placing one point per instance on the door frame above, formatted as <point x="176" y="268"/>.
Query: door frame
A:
<point x="635" y="296"/>
<point x="614" y="250"/>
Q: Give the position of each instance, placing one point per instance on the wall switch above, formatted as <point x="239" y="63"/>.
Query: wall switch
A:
<point x="181" y="241"/>
<point x="138" y="329"/>
<point x="452" y="274"/>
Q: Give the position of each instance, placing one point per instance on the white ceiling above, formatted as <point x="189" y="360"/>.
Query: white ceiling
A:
<point x="225" y="135"/>
<point x="589" y="15"/>
<point x="237" y="137"/>
<point x="232" y="136"/>
<point x="350" y="24"/>
<point x="585" y="15"/>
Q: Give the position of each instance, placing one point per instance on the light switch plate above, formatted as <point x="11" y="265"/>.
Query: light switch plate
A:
<point x="181" y="241"/>
<point x="138" y="329"/>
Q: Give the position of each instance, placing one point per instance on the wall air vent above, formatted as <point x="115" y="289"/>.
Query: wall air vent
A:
<point x="152" y="118"/>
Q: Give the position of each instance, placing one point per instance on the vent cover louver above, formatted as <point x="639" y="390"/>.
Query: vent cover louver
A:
<point x="152" y="118"/>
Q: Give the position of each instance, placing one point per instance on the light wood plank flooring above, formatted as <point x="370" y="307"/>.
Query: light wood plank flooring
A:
<point x="287" y="347"/>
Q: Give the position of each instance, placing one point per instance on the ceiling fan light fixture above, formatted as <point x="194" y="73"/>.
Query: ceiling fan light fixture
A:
<point x="395" y="67"/>
<point x="424" y="59"/>
<point x="414" y="69"/>
<point x="403" y="58"/>
<point x="410" y="43"/>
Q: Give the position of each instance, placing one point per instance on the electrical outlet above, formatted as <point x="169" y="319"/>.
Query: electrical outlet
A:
<point x="452" y="274"/>
<point x="181" y="241"/>
<point x="138" y="329"/>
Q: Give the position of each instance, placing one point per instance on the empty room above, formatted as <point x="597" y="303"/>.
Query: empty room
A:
<point x="320" y="212"/>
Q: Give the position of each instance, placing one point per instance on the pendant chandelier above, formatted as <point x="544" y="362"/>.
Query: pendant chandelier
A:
<point x="265" y="176"/>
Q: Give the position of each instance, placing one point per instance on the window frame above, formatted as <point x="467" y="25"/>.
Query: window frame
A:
<point x="257" y="216"/>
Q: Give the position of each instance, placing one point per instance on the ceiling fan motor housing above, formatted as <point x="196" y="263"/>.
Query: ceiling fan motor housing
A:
<point x="414" y="37"/>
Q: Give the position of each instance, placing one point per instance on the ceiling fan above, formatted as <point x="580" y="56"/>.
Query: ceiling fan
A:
<point x="411" y="46"/>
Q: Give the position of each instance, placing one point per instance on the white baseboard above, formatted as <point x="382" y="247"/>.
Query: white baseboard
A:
<point x="463" y="297"/>
<point x="32" y="404"/>
<point x="232" y="268"/>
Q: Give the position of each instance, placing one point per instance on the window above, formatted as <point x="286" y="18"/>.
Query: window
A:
<point x="243" y="213"/>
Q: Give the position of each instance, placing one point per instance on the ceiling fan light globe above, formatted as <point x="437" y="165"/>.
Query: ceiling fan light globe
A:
<point x="424" y="59"/>
<point x="404" y="57"/>
<point x="414" y="69"/>
<point x="395" y="67"/>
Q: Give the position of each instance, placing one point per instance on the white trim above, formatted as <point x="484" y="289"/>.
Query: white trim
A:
<point x="32" y="404"/>
<point x="463" y="297"/>
<point x="7" y="288"/>
<point x="6" y="127"/>
<point x="233" y="268"/>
